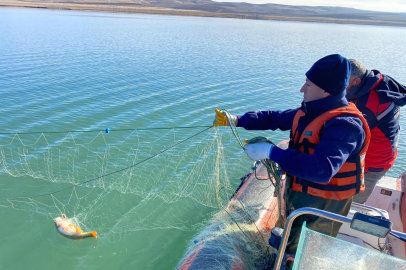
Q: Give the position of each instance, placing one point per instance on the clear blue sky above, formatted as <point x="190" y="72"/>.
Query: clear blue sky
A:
<point x="376" y="5"/>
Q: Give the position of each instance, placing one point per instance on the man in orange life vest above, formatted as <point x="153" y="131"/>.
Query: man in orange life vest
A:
<point x="379" y="98"/>
<point x="328" y="141"/>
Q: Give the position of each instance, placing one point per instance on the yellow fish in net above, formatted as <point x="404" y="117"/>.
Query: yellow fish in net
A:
<point x="71" y="230"/>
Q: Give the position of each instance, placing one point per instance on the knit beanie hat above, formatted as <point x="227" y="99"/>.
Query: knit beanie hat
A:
<point x="331" y="73"/>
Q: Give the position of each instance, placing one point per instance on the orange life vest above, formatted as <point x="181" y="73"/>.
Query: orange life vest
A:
<point x="349" y="180"/>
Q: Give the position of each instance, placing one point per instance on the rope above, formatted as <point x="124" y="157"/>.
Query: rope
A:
<point x="273" y="169"/>
<point x="233" y="128"/>
<point x="124" y="169"/>
<point x="274" y="172"/>
<point x="98" y="130"/>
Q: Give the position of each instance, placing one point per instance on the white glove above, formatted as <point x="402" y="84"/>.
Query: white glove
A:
<point x="258" y="151"/>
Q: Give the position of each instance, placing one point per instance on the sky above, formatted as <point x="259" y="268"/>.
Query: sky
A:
<point x="375" y="5"/>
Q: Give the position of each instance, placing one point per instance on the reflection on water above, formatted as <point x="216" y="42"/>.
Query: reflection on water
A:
<point x="67" y="71"/>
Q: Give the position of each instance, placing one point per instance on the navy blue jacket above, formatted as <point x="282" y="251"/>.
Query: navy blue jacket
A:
<point x="389" y="89"/>
<point x="341" y="138"/>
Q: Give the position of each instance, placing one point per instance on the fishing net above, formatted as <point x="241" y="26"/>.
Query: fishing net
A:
<point x="114" y="175"/>
<point x="237" y="236"/>
<point x="123" y="182"/>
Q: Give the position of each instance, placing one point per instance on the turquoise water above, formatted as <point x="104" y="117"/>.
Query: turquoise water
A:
<point x="64" y="71"/>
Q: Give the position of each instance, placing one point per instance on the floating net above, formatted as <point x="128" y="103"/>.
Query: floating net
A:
<point x="237" y="236"/>
<point x="128" y="181"/>
<point x="116" y="178"/>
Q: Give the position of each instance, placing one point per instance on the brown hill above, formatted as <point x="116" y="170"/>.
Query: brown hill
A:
<point x="222" y="9"/>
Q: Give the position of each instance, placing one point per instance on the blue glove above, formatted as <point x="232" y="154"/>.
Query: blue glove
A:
<point x="258" y="151"/>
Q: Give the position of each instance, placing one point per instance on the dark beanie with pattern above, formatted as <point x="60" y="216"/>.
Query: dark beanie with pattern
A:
<point x="331" y="73"/>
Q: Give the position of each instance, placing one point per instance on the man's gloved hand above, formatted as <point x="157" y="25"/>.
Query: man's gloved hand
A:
<point x="222" y="119"/>
<point x="258" y="151"/>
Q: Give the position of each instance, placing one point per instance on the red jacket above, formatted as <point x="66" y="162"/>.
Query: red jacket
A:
<point x="379" y="98"/>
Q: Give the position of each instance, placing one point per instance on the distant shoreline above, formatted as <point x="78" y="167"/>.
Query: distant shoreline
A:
<point x="142" y="9"/>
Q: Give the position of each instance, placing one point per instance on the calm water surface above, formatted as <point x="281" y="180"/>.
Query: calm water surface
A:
<point x="63" y="71"/>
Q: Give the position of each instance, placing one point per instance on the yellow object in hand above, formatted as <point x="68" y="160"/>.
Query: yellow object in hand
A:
<point x="223" y="118"/>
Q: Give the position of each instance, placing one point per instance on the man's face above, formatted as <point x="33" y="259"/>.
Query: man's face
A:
<point x="312" y="92"/>
<point x="353" y="82"/>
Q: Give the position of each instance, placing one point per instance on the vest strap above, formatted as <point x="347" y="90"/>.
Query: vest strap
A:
<point x="345" y="174"/>
<point x="325" y="187"/>
<point x="307" y="145"/>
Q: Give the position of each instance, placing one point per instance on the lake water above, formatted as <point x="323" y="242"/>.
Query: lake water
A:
<point x="64" y="71"/>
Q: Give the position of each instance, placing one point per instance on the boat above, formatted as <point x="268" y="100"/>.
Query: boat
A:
<point x="245" y="235"/>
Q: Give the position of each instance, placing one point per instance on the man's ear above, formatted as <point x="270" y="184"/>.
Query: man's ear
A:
<point x="357" y="81"/>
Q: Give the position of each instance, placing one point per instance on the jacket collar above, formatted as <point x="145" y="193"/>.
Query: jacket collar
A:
<point x="390" y="91"/>
<point x="364" y="87"/>
<point x="317" y="107"/>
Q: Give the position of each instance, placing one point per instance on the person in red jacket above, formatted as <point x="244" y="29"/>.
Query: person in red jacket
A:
<point x="379" y="98"/>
